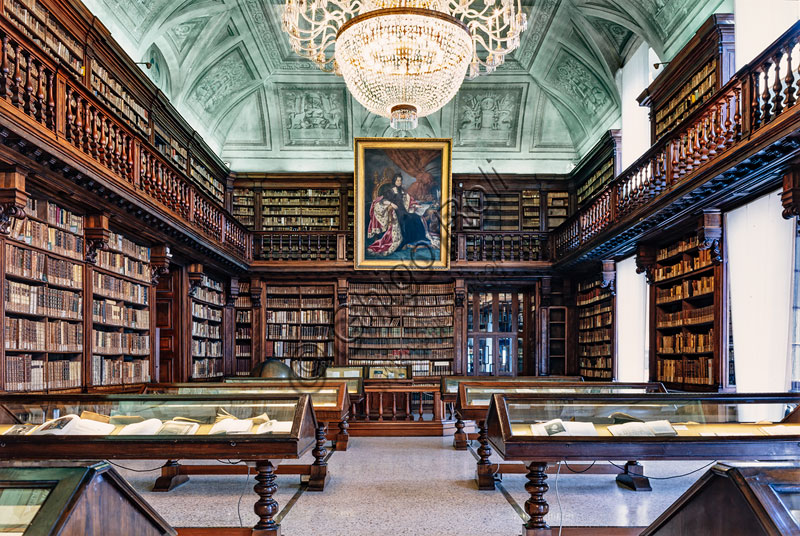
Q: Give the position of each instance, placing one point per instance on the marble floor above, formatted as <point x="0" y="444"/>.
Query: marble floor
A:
<point x="410" y="486"/>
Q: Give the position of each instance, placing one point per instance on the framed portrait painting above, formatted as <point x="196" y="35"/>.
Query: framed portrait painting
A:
<point x="402" y="203"/>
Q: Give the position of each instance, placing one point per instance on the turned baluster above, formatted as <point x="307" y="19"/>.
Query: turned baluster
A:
<point x="30" y="103"/>
<point x="696" y="149"/>
<point x="394" y="406"/>
<point x="51" y="101"/>
<point x="483" y="247"/>
<point x="721" y="128"/>
<point x="675" y="150"/>
<point x="788" y="81"/>
<point x="266" y="507"/>
<point x="421" y="407"/>
<point x="87" y="126"/>
<point x="17" y="97"/>
<point x="131" y="154"/>
<point x="146" y="173"/>
<point x="69" y="132"/>
<point x="95" y="141"/>
<point x="110" y="144"/>
<point x="503" y="247"/>
<point x="41" y="92"/>
<point x="536" y="486"/>
<point x="118" y="151"/>
<point x="777" y="95"/>
<point x="766" y="103"/>
<point x="756" y="104"/>
<point x="102" y="138"/>
<point x="737" y="117"/>
<point x="79" y="139"/>
<point x="702" y="142"/>
<point x="5" y="69"/>
<point x="711" y="141"/>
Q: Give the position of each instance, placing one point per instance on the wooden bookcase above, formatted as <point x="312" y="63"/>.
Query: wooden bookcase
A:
<point x="207" y="304"/>
<point x="244" y="206"/>
<point x="557" y="209"/>
<point x="300" y="209"/>
<point x="412" y="325"/>
<point x="243" y="331"/>
<point x="300" y="326"/>
<point x="531" y="210"/>
<point x="554" y="340"/>
<point x="43" y="303"/>
<point x="596" y="344"/>
<point x="687" y="309"/>
<point x="698" y="71"/>
<point x="121" y="323"/>
<point x="115" y="95"/>
<point x="598" y="167"/>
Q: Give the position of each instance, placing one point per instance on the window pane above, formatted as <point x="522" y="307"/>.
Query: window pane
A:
<point x="486" y="313"/>
<point x="520" y="312"/>
<point x="505" y="313"/>
<point x="470" y="356"/>
<point x="469" y="311"/>
<point x="505" y="356"/>
<point x="486" y="364"/>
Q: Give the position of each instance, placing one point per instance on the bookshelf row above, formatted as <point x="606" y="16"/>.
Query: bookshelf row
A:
<point x="243" y="331"/>
<point x="596" y="181"/>
<point x="208" y="300"/>
<point x="50" y="337"/>
<point x="300" y="325"/>
<point x="595" y="311"/>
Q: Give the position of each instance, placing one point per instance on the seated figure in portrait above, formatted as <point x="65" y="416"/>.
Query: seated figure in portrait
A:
<point x="394" y="218"/>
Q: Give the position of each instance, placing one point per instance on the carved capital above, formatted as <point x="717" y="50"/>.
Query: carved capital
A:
<point x="93" y="247"/>
<point x="195" y="272"/>
<point x="609" y="275"/>
<point x="160" y="257"/>
<point x="13" y="197"/>
<point x="646" y="260"/>
<point x="8" y="213"/>
<point x="709" y="233"/>
<point x="790" y="196"/>
<point x="233" y="294"/>
<point x="342" y="288"/>
<point x="255" y="291"/>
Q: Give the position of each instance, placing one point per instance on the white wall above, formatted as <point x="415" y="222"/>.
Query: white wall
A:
<point x="760" y="250"/>
<point x="633" y="346"/>
<point x="632" y="79"/>
<point x="759" y="23"/>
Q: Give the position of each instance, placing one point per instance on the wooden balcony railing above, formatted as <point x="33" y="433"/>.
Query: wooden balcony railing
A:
<point x="504" y="246"/>
<point x="761" y="94"/>
<point x="304" y="246"/>
<point x="44" y="93"/>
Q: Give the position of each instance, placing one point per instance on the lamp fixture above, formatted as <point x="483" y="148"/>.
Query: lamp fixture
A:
<point x="404" y="59"/>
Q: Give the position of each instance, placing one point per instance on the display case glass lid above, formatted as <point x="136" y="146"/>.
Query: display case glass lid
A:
<point x="344" y="372"/>
<point x="165" y="416"/>
<point x="19" y="504"/>
<point x="651" y="415"/>
<point x="354" y="384"/>
<point x="324" y="394"/>
<point x="450" y="383"/>
<point x="479" y="394"/>
<point x="389" y="373"/>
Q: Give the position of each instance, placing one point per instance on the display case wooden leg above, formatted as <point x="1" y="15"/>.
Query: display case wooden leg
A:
<point x="633" y="478"/>
<point x="170" y="477"/>
<point x="343" y="437"/>
<point x="485" y="475"/>
<point x="460" y="438"/>
<point x="536" y="507"/>
<point x="319" y="469"/>
<point x="266" y="507"/>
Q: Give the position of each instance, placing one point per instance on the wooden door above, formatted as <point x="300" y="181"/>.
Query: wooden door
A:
<point x="171" y="310"/>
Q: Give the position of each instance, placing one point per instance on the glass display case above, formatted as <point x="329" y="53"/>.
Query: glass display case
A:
<point x="449" y="384"/>
<point x="41" y="500"/>
<point x="759" y="498"/>
<point x="247" y="427"/>
<point x="402" y="372"/>
<point x="547" y="428"/>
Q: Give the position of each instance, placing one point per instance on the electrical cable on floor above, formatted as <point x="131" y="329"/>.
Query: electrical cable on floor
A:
<point x="136" y="470"/>
<point x="239" y="503"/>
<point x="230" y="462"/>
<point x="558" y="500"/>
<point x="666" y="477"/>
<point x="575" y="471"/>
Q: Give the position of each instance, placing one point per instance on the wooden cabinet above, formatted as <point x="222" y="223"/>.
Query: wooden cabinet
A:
<point x="692" y="77"/>
<point x="74" y="500"/>
<point x="759" y="499"/>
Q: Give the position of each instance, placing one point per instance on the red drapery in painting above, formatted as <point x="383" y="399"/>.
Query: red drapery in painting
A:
<point x="413" y="162"/>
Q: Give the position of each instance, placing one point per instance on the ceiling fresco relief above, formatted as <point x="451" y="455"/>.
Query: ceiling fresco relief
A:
<point x="228" y="67"/>
<point x="489" y="116"/>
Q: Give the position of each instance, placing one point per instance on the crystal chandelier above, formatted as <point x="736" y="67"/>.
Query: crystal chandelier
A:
<point x="404" y="59"/>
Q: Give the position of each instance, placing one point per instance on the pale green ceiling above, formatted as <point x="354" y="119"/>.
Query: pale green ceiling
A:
<point x="228" y="68"/>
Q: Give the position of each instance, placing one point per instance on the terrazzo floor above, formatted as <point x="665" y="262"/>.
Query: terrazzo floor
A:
<point x="410" y="486"/>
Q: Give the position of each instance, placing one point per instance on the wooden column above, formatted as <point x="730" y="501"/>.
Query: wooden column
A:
<point x="340" y="323"/>
<point x="259" y="322"/>
<point x="459" y="327"/>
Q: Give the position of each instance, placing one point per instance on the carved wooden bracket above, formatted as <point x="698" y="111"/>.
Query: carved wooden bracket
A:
<point x="646" y="260"/>
<point x="233" y="294"/>
<point x="255" y="291"/>
<point x="341" y="292"/>
<point x="790" y="197"/>
<point x="609" y="280"/>
<point x="461" y="292"/>
<point x="195" y="273"/>
<point x="13" y="197"/>
<point x="709" y="233"/>
<point x="97" y="234"/>
<point x="159" y="262"/>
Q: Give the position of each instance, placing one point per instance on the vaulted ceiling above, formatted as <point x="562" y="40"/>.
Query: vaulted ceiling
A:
<point x="228" y="68"/>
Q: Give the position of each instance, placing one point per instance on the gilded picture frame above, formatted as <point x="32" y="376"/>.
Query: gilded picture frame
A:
<point x="402" y="203"/>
